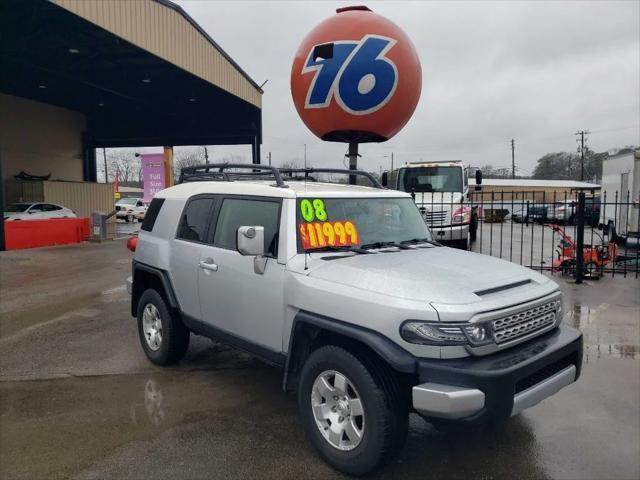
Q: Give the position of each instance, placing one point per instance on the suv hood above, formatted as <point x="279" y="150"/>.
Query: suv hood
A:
<point x="438" y="275"/>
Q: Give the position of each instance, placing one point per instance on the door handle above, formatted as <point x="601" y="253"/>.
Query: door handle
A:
<point x="207" y="264"/>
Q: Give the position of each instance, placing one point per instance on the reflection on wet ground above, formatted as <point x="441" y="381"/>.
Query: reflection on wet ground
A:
<point x="78" y="399"/>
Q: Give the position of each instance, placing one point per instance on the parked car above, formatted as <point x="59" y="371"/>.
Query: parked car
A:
<point x="36" y="211"/>
<point x="131" y="209"/>
<point x="565" y="212"/>
<point x="533" y="212"/>
<point x="519" y="214"/>
<point x="343" y="288"/>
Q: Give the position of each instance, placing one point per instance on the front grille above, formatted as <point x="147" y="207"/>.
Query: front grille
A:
<point x="523" y="323"/>
<point x="438" y="217"/>
<point x="544" y="373"/>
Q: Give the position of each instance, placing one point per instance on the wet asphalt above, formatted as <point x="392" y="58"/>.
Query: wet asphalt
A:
<point x="78" y="399"/>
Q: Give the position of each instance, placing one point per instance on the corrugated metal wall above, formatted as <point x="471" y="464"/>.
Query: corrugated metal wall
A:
<point x="168" y="35"/>
<point x="81" y="197"/>
<point x="16" y="191"/>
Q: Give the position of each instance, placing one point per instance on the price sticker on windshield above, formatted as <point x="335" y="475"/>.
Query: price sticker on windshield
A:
<point x="313" y="210"/>
<point x="328" y="234"/>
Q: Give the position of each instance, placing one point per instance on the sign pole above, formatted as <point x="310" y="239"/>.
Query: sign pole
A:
<point x="168" y="166"/>
<point x="353" y="161"/>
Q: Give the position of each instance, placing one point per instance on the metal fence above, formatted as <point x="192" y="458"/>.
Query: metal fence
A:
<point x="542" y="230"/>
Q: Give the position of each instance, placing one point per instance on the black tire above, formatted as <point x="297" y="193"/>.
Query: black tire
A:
<point x="175" y="336"/>
<point x="462" y="244"/>
<point x="385" y="409"/>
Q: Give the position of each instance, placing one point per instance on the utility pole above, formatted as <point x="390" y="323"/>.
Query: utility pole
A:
<point x="513" y="158"/>
<point x="305" y="155"/>
<point x="387" y="156"/>
<point x="269" y="158"/>
<point x="104" y="157"/>
<point x="582" y="133"/>
<point x="206" y="156"/>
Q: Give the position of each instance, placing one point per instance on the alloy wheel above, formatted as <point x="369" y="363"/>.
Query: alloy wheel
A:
<point x="338" y="410"/>
<point x="152" y="326"/>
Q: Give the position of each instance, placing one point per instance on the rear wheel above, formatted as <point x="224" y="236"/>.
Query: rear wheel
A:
<point x="352" y="410"/>
<point x="163" y="336"/>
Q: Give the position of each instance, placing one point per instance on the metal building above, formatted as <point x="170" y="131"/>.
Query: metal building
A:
<point x="83" y="74"/>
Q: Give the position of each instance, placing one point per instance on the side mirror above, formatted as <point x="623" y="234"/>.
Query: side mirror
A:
<point x="478" y="179"/>
<point x="251" y="241"/>
<point x="385" y="178"/>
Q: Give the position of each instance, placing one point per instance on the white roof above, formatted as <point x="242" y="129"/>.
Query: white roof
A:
<point x="268" y="189"/>
<point x="526" y="182"/>
<point x="455" y="163"/>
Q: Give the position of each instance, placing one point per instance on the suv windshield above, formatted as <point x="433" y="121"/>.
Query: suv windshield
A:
<point x="430" y="179"/>
<point x="338" y="222"/>
<point x="127" y="201"/>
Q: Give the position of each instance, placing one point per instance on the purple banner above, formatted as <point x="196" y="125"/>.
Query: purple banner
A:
<point x="152" y="174"/>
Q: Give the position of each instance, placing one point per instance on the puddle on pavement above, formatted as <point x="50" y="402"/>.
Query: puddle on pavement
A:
<point x="610" y="331"/>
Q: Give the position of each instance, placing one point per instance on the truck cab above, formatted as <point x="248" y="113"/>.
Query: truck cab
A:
<point x="441" y="191"/>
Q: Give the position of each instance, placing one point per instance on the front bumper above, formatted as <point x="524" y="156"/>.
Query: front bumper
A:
<point x="494" y="387"/>
<point x="449" y="233"/>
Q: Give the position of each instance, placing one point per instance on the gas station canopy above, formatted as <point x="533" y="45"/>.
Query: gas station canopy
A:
<point x="143" y="73"/>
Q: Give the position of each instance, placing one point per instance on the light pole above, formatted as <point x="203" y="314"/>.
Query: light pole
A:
<point x="387" y="156"/>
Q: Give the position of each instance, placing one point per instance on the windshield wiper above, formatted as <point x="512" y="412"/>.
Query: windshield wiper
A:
<point x="385" y="244"/>
<point x="414" y="241"/>
<point x="338" y="248"/>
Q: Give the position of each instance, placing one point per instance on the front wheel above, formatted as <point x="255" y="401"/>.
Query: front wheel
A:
<point x="462" y="244"/>
<point x="473" y="229"/>
<point x="352" y="410"/>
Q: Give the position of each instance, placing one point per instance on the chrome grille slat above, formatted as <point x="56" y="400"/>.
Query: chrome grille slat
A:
<point x="437" y="217"/>
<point x="523" y="323"/>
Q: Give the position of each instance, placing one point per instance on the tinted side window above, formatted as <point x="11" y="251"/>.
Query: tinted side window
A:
<point x="195" y="219"/>
<point x="236" y="213"/>
<point x="152" y="213"/>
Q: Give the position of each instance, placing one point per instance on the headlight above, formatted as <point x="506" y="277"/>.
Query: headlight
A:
<point x="461" y="215"/>
<point x="445" y="334"/>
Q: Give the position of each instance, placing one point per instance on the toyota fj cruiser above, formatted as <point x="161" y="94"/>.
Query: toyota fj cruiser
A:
<point x="343" y="288"/>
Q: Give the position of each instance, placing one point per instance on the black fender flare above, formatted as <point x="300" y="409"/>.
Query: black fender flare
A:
<point x="393" y="354"/>
<point x="162" y="276"/>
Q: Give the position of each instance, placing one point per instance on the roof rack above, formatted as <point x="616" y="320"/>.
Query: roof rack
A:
<point x="216" y="172"/>
<point x="290" y="171"/>
<point x="219" y="172"/>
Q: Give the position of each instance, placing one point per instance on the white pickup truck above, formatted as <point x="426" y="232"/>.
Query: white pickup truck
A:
<point x="344" y="289"/>
<point x="441" y="191"/>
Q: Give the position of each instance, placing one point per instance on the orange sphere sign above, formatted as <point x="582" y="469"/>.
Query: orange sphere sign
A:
<point x="356" y="78"/>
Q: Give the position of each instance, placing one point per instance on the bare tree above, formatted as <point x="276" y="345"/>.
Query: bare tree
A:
<point x="124" y="162"/>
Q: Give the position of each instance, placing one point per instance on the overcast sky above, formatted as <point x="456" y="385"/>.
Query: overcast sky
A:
<point x="533" y="71"/>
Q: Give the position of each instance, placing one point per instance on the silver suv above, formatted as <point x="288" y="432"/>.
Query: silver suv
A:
<point x="342" y="287"/>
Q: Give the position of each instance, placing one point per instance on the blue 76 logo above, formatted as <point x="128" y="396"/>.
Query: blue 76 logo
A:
<point x="358" y="75"/>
